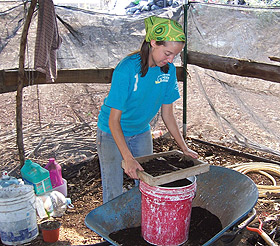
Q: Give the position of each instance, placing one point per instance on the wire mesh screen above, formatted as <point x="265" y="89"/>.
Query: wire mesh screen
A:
<point x="234" y="31"/>
<point x="234" y="108"/>
<point x="220" y="107"/>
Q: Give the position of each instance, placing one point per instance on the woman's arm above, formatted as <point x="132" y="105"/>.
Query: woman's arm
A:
<point x="172" y="126"/>
<point x="131" y="165"/>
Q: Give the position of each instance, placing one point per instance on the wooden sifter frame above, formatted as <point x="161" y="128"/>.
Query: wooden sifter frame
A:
<point x="198" y="168"/>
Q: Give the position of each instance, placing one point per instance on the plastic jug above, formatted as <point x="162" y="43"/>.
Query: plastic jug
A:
<point x="55" y="203"/>
<point x="32" y="173"/>
<point x="7" y="180"/>
<point x="55" y="173"/>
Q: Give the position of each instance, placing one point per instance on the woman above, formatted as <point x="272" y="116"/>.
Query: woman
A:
<point x="142" y="83"/>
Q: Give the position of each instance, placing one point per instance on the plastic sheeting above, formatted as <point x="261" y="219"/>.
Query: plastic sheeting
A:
<point x="90" y="38"/>
<point x="244" y="109"/>
<point x="232" y="108"/>
<point x="234" y="31"/>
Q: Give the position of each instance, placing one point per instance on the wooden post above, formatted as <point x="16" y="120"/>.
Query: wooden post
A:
<point x="21" y="81"/>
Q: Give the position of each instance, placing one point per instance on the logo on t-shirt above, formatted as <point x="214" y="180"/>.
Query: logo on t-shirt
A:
<point x="163" y="78"/>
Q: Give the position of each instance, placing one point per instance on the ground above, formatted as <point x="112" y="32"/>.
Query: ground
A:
<point x="84" y="188"/>
<point x="60" y="104"/>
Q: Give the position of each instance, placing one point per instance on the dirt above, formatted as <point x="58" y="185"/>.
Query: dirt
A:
<point x="49" y="225"/>
<point x="167" y="164"/>
<point x="86" y="192"/>
<point x="84" y="188"/>
<point x="177" y="183"/>
<point x="203" y="226"/>
<point x="80" y="104"/>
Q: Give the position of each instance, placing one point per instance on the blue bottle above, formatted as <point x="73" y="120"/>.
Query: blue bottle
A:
<point x="7" y="180"/>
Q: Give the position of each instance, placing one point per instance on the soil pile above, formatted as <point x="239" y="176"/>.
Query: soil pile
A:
<point x="203" y="226"/>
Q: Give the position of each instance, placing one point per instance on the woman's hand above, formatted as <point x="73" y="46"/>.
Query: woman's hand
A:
<point x="190" y="153"/>
<point x="130" y="168"/>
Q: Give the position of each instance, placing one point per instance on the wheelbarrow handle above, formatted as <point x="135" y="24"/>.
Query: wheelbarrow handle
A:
<point x="248" y="220"/>
<point x="267" y="239"/>
<point x="240" y="227"/>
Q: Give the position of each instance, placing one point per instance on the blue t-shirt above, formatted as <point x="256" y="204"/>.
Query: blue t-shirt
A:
<point x="139" y="98"/>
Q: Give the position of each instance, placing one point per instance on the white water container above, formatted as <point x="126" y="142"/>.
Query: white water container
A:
<point x="18" y="222"/>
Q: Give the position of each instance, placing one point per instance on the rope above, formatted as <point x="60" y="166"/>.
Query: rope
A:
<point x="269" y="170"/>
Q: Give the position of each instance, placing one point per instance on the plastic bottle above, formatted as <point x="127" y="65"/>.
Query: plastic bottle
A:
<point x="55" y="173"/>
<point x="32" y="173"/>
<point x="55" y="203"/>
<point x="40" y="208"/>
<point x="7" y="180"/>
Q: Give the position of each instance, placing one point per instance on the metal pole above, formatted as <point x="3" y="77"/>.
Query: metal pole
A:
<point x="185" y="61"/>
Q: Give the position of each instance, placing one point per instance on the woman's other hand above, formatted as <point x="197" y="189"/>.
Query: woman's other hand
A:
<point x="190" y="153"/>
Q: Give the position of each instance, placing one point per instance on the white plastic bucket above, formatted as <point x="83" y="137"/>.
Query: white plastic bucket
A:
<point x="18" y="222"/>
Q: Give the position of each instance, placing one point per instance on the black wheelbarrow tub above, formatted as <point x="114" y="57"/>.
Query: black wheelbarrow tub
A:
<point x="226" y="193"/>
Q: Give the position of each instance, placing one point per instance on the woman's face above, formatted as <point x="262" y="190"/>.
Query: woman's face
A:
<point x="160" y="55"/>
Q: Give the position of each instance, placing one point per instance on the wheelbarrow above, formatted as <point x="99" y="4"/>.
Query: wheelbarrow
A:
<point x="226" y="193"/>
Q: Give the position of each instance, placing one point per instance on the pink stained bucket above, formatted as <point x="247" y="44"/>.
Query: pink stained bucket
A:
<point x="166" y="213"/>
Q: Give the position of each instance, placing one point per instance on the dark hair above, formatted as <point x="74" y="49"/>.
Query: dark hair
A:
<point x="144" y="56"/>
